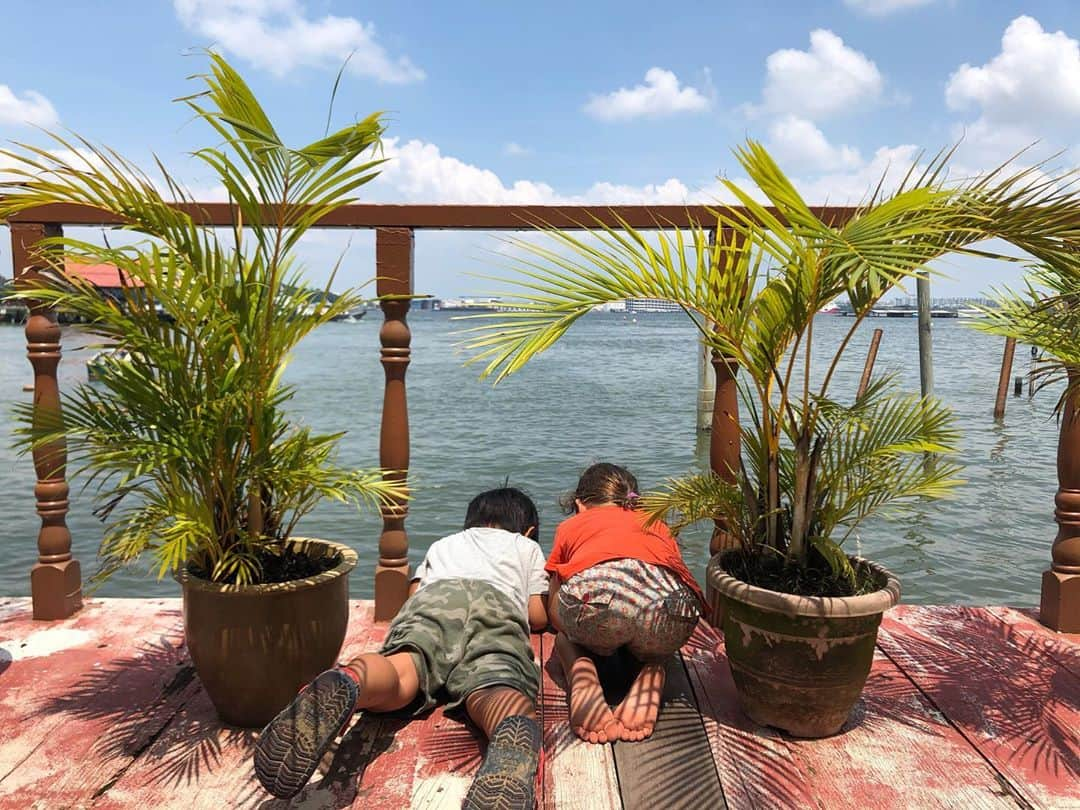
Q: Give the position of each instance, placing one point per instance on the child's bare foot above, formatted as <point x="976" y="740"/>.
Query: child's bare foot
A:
<point x="590" y="716"/>
<point x="638" y="712"/>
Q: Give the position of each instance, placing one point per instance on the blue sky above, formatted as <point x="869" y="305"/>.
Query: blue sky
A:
<point x="598" y="102"/>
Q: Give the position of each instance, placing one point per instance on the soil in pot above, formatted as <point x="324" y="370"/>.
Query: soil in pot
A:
<point x="255" y="646"/>
<point x="799" y="662"/>
<point x="284" y="565"/>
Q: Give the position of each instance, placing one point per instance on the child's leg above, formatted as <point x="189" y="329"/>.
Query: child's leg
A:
<point x="386" y="683"/>
<point x="507" y="778"/>
<point x="490" y="706"/>
<point x="590" y="716"/>
<point x="292" y="744"/>
<point x="640" y="708"/>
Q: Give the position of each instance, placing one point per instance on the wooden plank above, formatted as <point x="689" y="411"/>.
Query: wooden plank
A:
<point x="897" y="750"/>
<point x="674" y="767"/>
<point x="199" y="763"/>
<point x="457" y="217"/>
<point x="1018" y="706"/>
<point x="1062" y="647"/>
<point x="84" y="696"/>
<point x="755" y="764"/>
<point x="577" y="775"/>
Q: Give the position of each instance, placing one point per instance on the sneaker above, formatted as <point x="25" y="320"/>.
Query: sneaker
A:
<point x="292" y="744"/>
<point x="507" y="779"/>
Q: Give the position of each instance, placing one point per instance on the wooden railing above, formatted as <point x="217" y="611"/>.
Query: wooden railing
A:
<point x="55" y="579"/>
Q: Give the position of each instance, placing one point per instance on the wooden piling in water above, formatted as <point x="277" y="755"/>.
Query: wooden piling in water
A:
<point x="926" y="343"/>
<point x="868" y="369"/>
<point x="1003" y="378"/>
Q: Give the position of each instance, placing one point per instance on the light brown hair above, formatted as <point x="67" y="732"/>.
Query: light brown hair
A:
<point x="603" y="483"/>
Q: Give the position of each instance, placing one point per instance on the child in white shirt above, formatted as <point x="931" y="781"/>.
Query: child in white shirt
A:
<point x="464" y="632"/>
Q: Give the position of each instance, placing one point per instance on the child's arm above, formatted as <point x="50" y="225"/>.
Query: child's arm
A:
<point x="554" y="581"/>
<point x="538" y="615"/>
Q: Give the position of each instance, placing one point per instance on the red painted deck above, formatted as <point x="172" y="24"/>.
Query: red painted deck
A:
<point x="965" y="708"/>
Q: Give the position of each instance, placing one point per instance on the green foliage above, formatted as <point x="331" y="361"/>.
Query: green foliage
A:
<point x="812" y="468"/>
<point x="1046" y="314"/>
<point x="189" y="443"/>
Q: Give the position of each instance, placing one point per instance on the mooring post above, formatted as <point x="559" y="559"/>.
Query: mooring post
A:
<point x="394" y="269"/>
<point x="706" y="383"/>
<point x="871" y="358"/>
<point x="926" y="343"/>
<point x="1059" y="607"/>
<point x="1032" y="371"/>
<point x="1003" y="378"/>
<point x="56" y="579"/>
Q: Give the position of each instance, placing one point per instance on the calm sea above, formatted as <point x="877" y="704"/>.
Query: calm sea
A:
<point x="615" y="389"/>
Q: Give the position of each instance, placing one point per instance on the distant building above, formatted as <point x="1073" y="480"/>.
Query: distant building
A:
<point x="651" y="305"/>
<point x="106" y="277"/>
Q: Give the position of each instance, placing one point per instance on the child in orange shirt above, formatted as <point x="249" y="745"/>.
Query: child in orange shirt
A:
<point x="617" y="583"/>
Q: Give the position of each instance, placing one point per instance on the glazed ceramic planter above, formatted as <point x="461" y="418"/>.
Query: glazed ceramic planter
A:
<point x="255" y="646"/>
<point x="799" y="663"/>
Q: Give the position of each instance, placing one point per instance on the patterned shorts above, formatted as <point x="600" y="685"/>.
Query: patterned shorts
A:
<point x="463" y="635"/>
<point x="618" y="603"/>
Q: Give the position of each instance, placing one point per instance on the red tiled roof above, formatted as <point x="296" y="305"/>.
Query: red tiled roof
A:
<point x="100" y="275"/>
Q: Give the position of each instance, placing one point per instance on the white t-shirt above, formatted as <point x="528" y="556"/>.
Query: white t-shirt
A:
<point x="510" y="562"/>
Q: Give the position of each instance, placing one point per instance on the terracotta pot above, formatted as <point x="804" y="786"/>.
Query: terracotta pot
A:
<point x="799" y="663"/>
<point x="255" y="646"/>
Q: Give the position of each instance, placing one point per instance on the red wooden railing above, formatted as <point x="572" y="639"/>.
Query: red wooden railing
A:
<point x="55" y="579"/>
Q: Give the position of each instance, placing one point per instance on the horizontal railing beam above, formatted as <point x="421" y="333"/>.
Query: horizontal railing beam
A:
<point x="443" y="217"/>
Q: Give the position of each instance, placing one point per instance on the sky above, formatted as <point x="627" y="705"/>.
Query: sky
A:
<point x="599" y="102"/>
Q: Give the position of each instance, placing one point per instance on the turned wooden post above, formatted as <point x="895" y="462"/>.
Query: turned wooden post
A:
<point x="725" y="441"/>
<point x="394" y="267"/>
<point x="1060" y="605"/>
<point x="56" y="579"/>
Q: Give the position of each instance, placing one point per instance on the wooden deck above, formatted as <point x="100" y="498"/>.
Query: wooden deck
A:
<point x="965" y="708"/>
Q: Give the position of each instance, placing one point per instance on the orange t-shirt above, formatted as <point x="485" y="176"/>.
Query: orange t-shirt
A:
<point x="605" y="533"/>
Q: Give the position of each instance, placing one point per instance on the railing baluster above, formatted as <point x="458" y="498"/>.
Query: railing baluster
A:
<point x="725" y="441"/>
<point x="1060" y="605"/>
<point x="56" y="578"/>
<point x="394" y="267"/>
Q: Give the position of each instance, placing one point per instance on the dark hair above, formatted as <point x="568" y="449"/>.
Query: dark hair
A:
<point x="504" y="508"/>
<point x="603" y="483"/>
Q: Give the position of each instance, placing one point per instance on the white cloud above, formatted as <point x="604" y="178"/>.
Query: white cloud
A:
<point x="827" y="79"/>
<point x="280" y="36"/>
<point x="1034" y="80"/>
<point x="881" y="8"/>
<point x="515" y="149"/>
<point x="32" y="109"/>
<point x="660" y="96"/>
<point x="797" y="143"/>
<point x="419" y="172"/>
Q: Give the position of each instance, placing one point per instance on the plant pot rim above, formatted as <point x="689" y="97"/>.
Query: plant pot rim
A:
<point x="348" y="562"/>
<point x="794" y="605"/>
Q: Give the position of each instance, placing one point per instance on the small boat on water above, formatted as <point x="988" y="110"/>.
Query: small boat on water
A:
<point x="99" y="364"/>
<point x="352" y="316"/>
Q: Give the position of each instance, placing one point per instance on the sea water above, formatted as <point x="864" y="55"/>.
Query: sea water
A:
<point x="616" y="388"/>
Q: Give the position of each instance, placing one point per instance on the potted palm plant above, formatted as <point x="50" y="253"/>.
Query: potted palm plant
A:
<point x="189" y="441"/>
<point x="799" y="615"/>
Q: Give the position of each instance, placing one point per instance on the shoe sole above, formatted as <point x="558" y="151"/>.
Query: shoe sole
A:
<point x="507" y="779"/>
<point x="292" y="744"/>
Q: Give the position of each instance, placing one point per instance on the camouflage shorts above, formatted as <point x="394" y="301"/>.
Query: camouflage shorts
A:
<point x="464" y="635"/>
<point x="627" y="603"/>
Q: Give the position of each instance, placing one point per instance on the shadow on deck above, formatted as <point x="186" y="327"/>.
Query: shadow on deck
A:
<point x="965" y="707"/>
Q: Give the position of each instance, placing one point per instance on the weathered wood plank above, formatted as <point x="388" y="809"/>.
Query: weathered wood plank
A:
<point x="209" y="765"/>
<point x="755" y="764"/>
<point x="577" y="775"/>
<point x="1062" y="647"/>
<point x="1017" y="705"/>
<point x="85" y="696"/>
<point x="897" y="750"/>
<point x="674" y="767"/>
